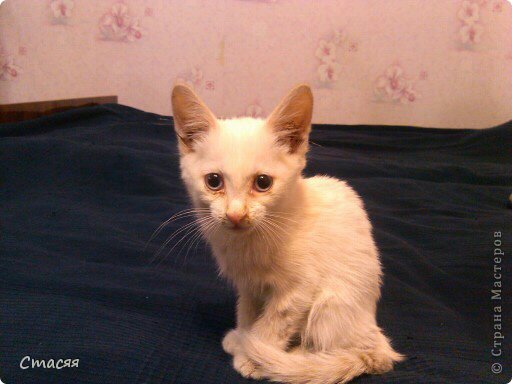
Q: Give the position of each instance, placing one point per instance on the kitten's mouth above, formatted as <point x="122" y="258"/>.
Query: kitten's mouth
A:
<point x="238" y="228"/>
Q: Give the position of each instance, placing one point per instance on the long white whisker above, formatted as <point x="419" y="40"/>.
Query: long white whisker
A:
<point x="210" y="231"/>
<point x="189" y="231"/>
<point x="198" y="237"/>
<point x="207" y="232"/>
<point x="199" y="226"/>
<point x="269" y="231"/>
<point x="178" y="215"/>
<point x="280" y="217"/>
<point x="275" y="226"/>
<point x="176" y="233"/>
<point x="197" y="234"/>
<point x="261" y="236"/>
<point x="197" y="241"/>
<point x="270" y="235"/>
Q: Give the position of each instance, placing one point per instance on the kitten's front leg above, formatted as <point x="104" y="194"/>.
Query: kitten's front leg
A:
<point x="247" y="311"/>
<point x="281" y="318"/>
<point x="278" y="322"/>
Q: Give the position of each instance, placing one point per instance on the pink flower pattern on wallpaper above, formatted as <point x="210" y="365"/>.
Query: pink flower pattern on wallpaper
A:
<point x="340" y="36"/>
<point x="62" y="9"/>
<point x="8" y="68"/>
<point x="471" y="30"/>
<point x="209" y="85"/>
<point x="327" y="53"/>
<point x="194" y="79"/>
<point x="254" y="110"/>
<point x="334" y="55"/>
<point x="119" y="25"/>
<point x="196" y="76"/>
<point x="328" y="71"/>
<point x="394" y="86"/>
<point x="471" y="34"/>
<point x="469" y="13"/>
<point x="497" y="6"/>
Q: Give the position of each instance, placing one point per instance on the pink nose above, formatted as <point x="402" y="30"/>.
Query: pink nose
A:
<point x="235" y="217"/>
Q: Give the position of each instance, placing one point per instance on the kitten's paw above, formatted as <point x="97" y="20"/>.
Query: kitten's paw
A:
<point x="246" y="367"/>
<point x="231" y="343"/>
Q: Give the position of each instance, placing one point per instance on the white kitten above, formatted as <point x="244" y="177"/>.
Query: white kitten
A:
<point x="299" y="251"/>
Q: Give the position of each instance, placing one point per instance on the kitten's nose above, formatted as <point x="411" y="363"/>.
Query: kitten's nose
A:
<point x="235" y="217"/>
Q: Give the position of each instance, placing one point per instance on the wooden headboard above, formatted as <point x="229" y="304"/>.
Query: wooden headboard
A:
<point x="25" y="111"/>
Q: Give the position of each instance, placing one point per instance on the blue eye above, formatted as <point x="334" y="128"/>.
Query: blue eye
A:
<point x="214" y="181"/>
<point x="262" y="183"/>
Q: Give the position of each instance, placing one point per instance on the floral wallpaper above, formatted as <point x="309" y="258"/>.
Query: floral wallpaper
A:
<point x="118" y="24"/>
<point x="441" y="63"/>
<point x="395" y="86"/>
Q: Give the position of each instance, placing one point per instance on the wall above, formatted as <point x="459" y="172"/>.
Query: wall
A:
<point x="438" y="63"/>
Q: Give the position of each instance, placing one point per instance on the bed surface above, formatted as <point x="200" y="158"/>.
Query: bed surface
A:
<point x="82" y="191"/>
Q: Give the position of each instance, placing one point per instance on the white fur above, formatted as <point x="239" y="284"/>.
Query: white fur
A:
<point x="306" y="267"/>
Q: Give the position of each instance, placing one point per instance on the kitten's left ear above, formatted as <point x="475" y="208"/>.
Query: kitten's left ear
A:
<point x="291" y="120"/>
<point x="192" y="118"/>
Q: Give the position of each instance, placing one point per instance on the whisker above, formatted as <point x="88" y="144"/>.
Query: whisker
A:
<point x="197" y="238"/>
<point x="278" y="226"/>
<point x="178" y="215"/>
<point x="189" y="231"/>
<point x="270" y="232"/>
<point x="274" y="225"/>
<point x="280" y="221"/>
<point x="272" y="235"/>
<point x="280" y="216"/>
<point x="196" y="242"/>
<point x="261" y="236"/>
<point x="283" y="213"/>
<point x="208" y="231"/>
<point x="197" y="233"/>
<point x="176" y="233"/>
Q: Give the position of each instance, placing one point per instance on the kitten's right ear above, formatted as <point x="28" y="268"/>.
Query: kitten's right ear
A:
<point x="192" y="118"/>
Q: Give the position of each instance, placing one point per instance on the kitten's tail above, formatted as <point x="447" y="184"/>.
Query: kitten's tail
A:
<point x="302" y="367"/>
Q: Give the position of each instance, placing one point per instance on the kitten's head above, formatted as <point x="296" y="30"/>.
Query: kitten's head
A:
<point x="243" y="170"/>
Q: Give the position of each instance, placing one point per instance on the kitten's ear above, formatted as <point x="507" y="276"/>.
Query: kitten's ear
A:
<point x="291" y="120"/>
<point x="192" y="118"/>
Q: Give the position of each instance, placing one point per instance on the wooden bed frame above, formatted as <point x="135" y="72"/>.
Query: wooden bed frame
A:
<point x="26" y="111"/>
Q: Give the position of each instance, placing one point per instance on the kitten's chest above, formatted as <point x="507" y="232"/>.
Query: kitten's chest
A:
<point x="246" y="262"/>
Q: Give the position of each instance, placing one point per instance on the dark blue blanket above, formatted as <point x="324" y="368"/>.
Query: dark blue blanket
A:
<point x="82" y="191"/>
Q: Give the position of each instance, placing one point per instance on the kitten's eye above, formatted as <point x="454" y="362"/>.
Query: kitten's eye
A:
<point x="214" y="181"/>
<point x="262" y="183"/>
